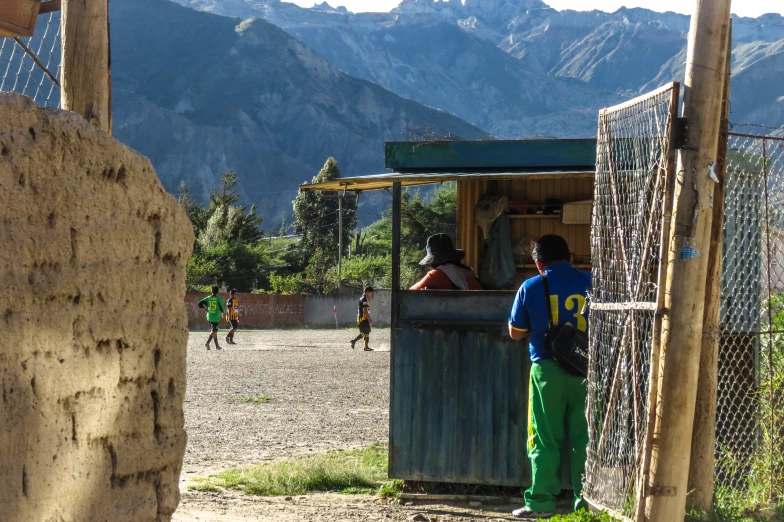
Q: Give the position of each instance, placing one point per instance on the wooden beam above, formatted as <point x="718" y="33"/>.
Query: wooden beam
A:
<point x="703" y="444"/>
<point x="688" y="261"/>
<point x="668" y="172"/>
<point x="50" y="6"/>
<point x="484" y="155"/>
<point x="385" y="181"/>
<point x="85" y="73"/>
<point x="18" y="18"/>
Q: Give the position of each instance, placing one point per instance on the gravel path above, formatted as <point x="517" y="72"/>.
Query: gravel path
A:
<point x="323" y="396"/>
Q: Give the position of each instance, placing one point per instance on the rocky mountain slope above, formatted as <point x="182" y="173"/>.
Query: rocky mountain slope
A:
<point x="567" y="64"/>
<point x="200" y="93"/>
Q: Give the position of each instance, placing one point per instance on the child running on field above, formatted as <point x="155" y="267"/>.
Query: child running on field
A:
<point x="232" y="315"/>
<point x="215" y="309"/>
<point x="363" y="319"/>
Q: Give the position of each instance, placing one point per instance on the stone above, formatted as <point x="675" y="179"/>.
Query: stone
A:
<point x="93" y="367"/>
<point x="419" y="517"/>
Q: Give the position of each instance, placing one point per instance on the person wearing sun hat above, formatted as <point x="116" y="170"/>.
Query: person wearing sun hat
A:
<point x="446" y="270"/>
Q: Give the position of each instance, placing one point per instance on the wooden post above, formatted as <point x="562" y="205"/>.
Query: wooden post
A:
<point x="85" y="82"/>
<point x="396" y="226"/>
<point x="688" y="261"/>
<point x="703" y="444"/>
<point x="340" y="238"/>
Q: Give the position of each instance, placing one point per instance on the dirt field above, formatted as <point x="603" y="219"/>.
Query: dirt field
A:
<point x="323" y="396"/>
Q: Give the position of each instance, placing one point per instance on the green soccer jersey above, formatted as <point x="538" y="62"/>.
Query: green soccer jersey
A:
<point x="214" y="306"/>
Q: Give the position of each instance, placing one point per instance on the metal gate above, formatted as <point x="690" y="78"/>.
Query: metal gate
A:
<point x="635" y="164"/>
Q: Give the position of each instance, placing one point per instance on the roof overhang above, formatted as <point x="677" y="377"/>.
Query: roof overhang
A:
<point x="384" y="181"/>
<point x="423" y="163"/>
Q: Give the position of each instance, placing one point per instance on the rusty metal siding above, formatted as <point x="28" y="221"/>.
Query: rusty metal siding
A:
<point x="459" y="391"/>
<point x="459" y="406"/>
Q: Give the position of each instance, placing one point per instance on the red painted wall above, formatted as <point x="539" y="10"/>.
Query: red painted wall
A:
<point x="256" y="310"/>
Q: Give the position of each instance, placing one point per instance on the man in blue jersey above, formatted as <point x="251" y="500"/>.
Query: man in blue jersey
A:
<point x="556" y="399"/>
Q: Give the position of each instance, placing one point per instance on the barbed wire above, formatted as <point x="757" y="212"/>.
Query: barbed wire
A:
<point x="733" y="125"/>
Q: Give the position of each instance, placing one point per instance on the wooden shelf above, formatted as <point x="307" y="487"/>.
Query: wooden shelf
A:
<point x="534" y="266"/>
<point x="534" y="216"/>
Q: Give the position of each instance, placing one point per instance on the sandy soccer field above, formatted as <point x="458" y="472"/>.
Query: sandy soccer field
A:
<point x="319" y="396"/>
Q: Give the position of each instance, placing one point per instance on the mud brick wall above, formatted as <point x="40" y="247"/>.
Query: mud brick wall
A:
<point x="92" y="359"/>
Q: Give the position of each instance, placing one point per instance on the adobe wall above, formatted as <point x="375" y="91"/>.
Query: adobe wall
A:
<point x="92" y="359"/>
<point x="294" y="311"/>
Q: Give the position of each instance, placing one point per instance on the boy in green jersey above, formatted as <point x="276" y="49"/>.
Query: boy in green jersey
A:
<point x="215" y="309"/>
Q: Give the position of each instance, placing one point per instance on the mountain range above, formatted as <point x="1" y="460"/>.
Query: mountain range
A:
<point x="271" y="89"/>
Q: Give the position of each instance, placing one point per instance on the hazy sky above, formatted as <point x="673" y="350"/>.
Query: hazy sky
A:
<point x="740" y="7"/>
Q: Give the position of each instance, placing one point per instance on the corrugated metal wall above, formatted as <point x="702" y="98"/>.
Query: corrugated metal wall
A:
<point x="458" y="409"/>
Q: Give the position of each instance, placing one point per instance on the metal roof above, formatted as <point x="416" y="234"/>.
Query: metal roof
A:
<point x="496" y="155"/>
<point x="383" y="181"/>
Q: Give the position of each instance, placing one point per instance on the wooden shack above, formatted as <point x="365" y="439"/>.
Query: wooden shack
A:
<point x="459" y="384"/>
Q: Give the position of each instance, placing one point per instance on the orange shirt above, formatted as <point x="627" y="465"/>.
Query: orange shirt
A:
<point x="438" y="280"/>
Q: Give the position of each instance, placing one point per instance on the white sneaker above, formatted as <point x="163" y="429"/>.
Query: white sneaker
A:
<point x="526" y="512"/>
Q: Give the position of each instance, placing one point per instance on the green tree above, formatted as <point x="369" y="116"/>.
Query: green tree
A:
<point x="227" y="238"/>
<point x="196" y="213"/>
<point x="422" y="217"/>
<point x="229" y="220"/>
<point x="316" y="216"/>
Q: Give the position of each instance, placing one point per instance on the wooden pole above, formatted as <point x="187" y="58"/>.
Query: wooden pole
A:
<point x="86" y="88"/>
<point x="340" y="238"/>
<point x="397" y="200"/>
<point x="688" y="261"/>
<point x="397" y="197"/>
<point x="703" y="444"/>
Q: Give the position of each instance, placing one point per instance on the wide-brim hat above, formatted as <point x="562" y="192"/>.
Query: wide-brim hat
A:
<point x="440" y="249"/>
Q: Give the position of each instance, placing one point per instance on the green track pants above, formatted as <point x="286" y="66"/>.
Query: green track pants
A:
<point x="556" y="416"/>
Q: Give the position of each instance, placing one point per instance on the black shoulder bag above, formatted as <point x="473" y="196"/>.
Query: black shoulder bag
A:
<point x="565" y="343"/>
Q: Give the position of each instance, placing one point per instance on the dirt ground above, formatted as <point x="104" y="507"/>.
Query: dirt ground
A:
<point x="323" y="396"/>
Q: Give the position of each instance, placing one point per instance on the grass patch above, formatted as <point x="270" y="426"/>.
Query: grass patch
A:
<point x="203" y="484"/>
<point x="391" y="489"/>
<point x="731" y="505"/>
<point x="258" y="399"/>
<point x="583" y="516"/>
<point x="358" y="471"/>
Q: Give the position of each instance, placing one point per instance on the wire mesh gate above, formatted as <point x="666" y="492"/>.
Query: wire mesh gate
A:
<point x="750" y="402"/>
<point x="31" y="66"/>
<point x="629" y="232"/>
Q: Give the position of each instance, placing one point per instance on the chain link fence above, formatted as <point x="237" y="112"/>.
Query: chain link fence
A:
<point x="750" y="408"/>
<point x="631" y="208"/>
<point x="31" y="66"/>
<point x="628" y="235"/>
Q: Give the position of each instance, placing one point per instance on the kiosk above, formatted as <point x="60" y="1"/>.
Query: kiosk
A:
<point x="459" y="384"/>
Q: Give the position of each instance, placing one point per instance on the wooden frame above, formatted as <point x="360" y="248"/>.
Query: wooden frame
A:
<point x="18" y="17"/>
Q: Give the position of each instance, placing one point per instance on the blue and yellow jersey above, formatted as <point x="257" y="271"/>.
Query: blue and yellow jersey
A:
<point x="568" y="292"/>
